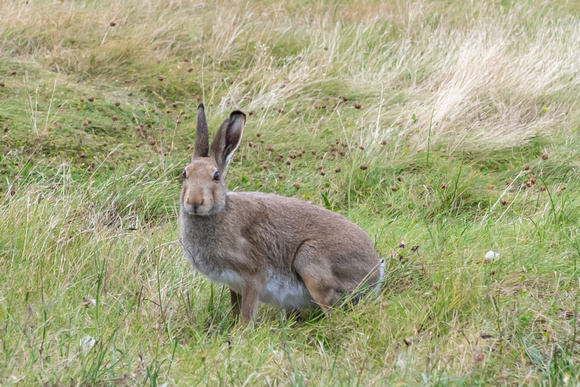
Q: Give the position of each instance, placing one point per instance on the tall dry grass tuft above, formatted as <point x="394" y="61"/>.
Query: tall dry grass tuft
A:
<point x="98" y="102"/>
<point x="497" y="77"/>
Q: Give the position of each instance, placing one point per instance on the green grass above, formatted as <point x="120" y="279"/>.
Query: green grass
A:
<point x="461" y="105"/>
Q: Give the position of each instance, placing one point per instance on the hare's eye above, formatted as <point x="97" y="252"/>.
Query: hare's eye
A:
<point x="183" y="174"/>
<point x="216" y="176"/>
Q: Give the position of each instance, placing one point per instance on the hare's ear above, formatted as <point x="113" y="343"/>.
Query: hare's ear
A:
<point x="201" y="147"/>
<point x="228" y="139"/>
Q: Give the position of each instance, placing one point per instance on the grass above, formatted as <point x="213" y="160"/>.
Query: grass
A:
<point x="464" y="139"/>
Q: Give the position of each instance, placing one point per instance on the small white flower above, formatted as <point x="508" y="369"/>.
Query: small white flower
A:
<point x="491" y="255"/>
<point x="87" y="342"/>
<point x="401" y="361"/>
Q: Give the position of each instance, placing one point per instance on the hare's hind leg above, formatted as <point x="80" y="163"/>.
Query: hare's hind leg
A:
<point x="323" y="293"/>
<point x="317" y="277"/>
<point x="236" y="300"/>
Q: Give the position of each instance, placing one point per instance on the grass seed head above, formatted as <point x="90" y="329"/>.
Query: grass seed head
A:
<point x="364" y="167"/>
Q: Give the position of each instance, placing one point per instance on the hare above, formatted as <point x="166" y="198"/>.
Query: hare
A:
<point x="264" y="247"/>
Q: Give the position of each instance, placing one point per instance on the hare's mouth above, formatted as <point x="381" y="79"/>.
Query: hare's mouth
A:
<point x="196" y="210"/>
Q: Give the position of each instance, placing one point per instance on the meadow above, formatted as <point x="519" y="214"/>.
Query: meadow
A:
<point x="448" y="130"/>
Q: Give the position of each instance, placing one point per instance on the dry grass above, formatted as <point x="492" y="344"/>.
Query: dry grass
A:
<point x="451" y="101"/>
<point x="476" y="74"/>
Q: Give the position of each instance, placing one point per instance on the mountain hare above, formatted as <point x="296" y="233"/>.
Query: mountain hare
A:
<point x="265" y="247"/>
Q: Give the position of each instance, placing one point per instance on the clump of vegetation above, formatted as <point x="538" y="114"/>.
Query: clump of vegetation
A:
<point x="448" y="131"/>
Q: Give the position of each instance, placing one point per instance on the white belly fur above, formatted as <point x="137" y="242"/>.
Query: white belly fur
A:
<point x="286" y="292"/>
<point x="227" y="277"/>
<point x="279" y="289"/>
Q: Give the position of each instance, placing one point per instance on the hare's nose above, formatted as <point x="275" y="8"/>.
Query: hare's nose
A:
<point x="196" y="204"/>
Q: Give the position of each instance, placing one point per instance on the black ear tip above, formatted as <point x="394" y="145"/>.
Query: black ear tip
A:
<point x="238" y="113"/>
<point x="201" y="107"/>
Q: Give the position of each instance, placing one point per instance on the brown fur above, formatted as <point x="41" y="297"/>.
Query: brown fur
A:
<point x="266" y="247"/>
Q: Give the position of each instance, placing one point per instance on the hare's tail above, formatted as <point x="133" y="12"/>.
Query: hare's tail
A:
<point x="381" y="275"/>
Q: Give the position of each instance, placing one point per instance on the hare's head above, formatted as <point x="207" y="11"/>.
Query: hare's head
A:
<point x="204" y="190"/>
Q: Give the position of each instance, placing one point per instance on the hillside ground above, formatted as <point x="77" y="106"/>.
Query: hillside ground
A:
<point x="447" y="130"/>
